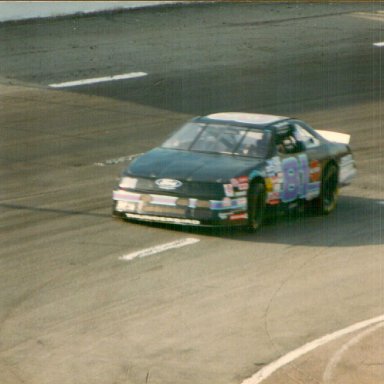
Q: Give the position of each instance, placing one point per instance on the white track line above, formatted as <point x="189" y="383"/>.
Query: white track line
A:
<point x="160" y="248"/>
<point x="117" y="160"/>
<point x="75" y="83"/>
<point x="336" y="358"/>
<point x="381" y="44"/>
<point x="269" y="369"/>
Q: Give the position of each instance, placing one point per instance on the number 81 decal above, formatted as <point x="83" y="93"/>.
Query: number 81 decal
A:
<point x="300" y="179"/>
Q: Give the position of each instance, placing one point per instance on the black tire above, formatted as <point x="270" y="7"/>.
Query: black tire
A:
<point x="327" y="201"/>
<point x="256" y="206"/>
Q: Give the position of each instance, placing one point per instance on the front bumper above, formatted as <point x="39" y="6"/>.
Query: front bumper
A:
<point x="134" y="205"/>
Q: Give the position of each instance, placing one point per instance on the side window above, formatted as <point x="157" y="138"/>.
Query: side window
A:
<point x="288" y="142"/>
<point x="305" y="137"/>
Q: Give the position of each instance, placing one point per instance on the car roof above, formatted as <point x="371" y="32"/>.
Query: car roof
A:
<point x="246" y="118"/>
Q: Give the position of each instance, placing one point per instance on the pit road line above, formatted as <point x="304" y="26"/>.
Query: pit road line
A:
<point x="160" y="248"/>
<point x="124" y="76"/>
<point x="271" y="368"/>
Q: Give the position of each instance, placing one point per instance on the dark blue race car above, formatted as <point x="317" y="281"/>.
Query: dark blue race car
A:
<point x="232" y="168"/>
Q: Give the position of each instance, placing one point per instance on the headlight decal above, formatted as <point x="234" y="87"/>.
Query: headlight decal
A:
<point x="128" y="182"/>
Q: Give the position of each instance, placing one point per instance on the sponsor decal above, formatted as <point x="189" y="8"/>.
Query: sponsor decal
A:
<point x="123" y="206"/>
<point x="243" y="186"/>
<point x="314" y="170"/>
<point x="237" y="181"/>
<point x="228" y="189"/>
<point x="238" y="216"/>
<point x="128" y="182"/>
<point x="273" y="198"/>
<point x="273" y="166"/>
<point x="297" y="179"/>
<point x="227" y="202"/>
<point x="242" y="202"/>
<point x="268" y="184"/>
<point x="126" y="196"/>
<point x="161" y="200"/>
<point x="168" y="184"/>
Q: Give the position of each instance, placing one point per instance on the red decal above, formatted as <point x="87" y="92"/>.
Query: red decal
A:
<point x="242" y="179"/>
<point x="238" y="216"/>
<point x="243" y="186"/>
<point x="238" y="181"/>
<point x="314" y="170"/>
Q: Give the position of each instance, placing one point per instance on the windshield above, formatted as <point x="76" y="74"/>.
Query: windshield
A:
<point x="220" y="138"/>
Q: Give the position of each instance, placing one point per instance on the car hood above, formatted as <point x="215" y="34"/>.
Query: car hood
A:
<point x="190" y="166"/>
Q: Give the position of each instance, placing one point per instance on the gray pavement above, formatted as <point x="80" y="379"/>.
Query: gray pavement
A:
<point x="219" y="310"/>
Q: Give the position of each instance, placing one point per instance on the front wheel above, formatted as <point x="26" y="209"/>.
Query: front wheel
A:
<point x="326" y="203"/>
<point x="256" y="206"/>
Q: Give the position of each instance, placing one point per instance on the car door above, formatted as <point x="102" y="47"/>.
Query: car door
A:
<point x="298" y="152"/>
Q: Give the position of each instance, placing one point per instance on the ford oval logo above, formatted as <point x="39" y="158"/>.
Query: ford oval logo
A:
<point x="168" y="183"/>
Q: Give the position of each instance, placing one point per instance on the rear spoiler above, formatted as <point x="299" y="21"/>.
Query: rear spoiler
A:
<point x="336" y="137"/>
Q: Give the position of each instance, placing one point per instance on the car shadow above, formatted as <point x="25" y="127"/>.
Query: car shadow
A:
<point x="355" y="222"/>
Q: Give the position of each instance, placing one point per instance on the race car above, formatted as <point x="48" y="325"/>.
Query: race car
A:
<point x="233" y="169"/>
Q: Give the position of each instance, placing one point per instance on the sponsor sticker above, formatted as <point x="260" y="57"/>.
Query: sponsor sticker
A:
<point x="237" y="181"/>
<point x="314" y="170"/>
<point x="227" y="202"/>
<point x="123" y="206"/>
<point x="228" y="189"/>
<point x="128" y="182"/>
<point x="273" y="198"/>
<point x="243" y="186"/>
<point x="268" y="184"/>
<point x="242" y="202"/>
<point x="238" y="216"/>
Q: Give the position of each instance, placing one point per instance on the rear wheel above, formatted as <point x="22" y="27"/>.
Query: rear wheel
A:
<point x="326" y="203"/>
<point x="256" y="206"/>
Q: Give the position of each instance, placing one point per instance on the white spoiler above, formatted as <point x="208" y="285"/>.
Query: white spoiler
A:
<point x="336" y="137"/>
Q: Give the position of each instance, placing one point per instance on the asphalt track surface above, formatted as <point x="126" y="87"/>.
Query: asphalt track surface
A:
<point x="220" y="309"/>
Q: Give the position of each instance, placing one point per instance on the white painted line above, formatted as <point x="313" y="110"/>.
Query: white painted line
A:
<point x="337" y="357"/>
<point x="160" y="248"/>
<point x="118" y="160"/>
<point x="381" y="44"/>
<point x="269" y="369"/>
<point x="381" y="202"/>
<point x="75" y="83"/>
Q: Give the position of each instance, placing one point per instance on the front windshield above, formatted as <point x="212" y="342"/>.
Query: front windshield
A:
<point x="220" y="138"/>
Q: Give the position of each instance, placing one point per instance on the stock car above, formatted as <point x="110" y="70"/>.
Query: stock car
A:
<point x="232" y="168"/>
